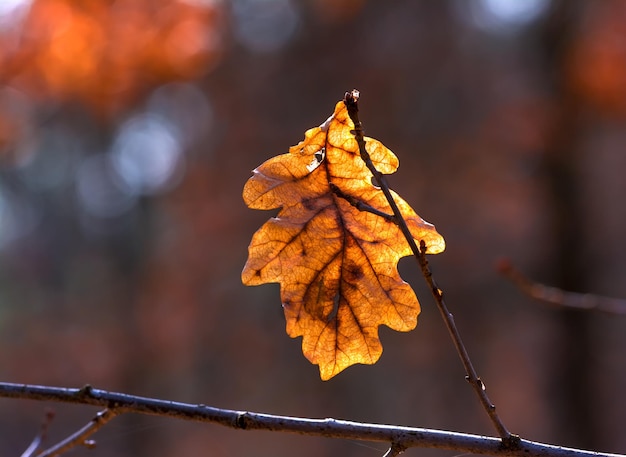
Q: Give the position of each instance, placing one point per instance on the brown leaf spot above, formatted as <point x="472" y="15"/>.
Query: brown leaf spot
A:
<point x="353" y="273"/>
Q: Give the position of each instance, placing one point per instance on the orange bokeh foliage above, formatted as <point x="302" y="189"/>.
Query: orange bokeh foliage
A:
<point x="105" y="54"/>
<point x="596" y="60"/>
<point x="337" y="265"/>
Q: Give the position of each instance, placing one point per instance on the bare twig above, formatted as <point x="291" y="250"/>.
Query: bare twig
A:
<point x="395" y="450"/>
<point x="560" y="297"/>
<point x="401" y="437"/>
<point x="80" y="437"/>
<point x="37" y="442"/>
<point x="351" y="100"/>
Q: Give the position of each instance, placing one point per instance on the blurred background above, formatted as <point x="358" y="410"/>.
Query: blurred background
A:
<point x="129" y="127"/>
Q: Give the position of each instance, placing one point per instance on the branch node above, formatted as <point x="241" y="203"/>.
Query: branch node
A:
<point x="85" y="391"/>
<point x="511" y="443"/>
<point x="241" y="421"/>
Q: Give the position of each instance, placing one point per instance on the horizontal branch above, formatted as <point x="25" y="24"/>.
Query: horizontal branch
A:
<point x="399" y="437"/>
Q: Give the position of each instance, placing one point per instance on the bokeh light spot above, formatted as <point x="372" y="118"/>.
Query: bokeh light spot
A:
<point x="501" y="16"/>
<point x="100" y="193"/>
<point x="186" y="108"/>
<point x="264" y="25"/>
<point x="11" y="8"/>
<point x="147" y="155"/>
<point x="18" y="217"/>
<point x="514" y="11"/>
<point x="52" y="163"/>
<point x="6" y="220"/>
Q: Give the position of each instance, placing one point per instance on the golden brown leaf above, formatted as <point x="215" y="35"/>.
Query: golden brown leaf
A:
<point x="336" y="264"/>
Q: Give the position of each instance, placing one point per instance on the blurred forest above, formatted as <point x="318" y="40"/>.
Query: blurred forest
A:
<point x="127" y="131"/>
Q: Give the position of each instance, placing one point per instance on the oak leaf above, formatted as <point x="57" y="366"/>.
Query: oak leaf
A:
<point x="336" y="264"/>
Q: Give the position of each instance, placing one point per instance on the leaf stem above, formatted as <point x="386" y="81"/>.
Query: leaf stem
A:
<point x="358" y="204"/>
<point x="351" y="100"/>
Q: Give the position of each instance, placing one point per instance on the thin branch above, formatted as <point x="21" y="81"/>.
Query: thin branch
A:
<point x="80" y="437"/>
<point x="37" y="442"/>
<point x="351" y="100"/>
<point x="560" y="297"/>
<point x="401" y="437"/>
<point x="395" y="450"/>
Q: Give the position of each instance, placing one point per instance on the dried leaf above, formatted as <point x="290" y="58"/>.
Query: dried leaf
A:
<point x="336" y="264"/>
